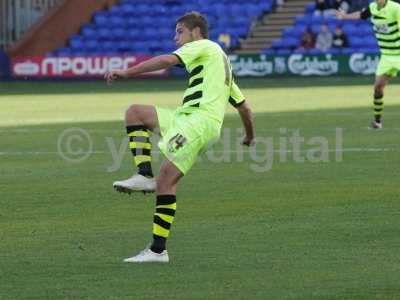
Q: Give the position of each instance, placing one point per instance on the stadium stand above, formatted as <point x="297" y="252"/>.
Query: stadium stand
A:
<point x="147" y="27"/>
<point x="359" y="33"/>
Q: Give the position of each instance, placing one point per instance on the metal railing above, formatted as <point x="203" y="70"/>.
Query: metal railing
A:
<point x="16" y="16"/>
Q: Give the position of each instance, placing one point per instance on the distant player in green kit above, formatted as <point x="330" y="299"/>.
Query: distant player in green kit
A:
<point x="185" y="132"/>
<point x="385" y="16"/>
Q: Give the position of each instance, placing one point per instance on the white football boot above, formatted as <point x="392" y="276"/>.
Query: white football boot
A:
<point x="376" y="125"/>
<point x="137" y="183"/>
<point x="148" y="256"/>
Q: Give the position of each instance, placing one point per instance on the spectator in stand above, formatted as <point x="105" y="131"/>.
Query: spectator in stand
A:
<point x="279" y="4"/>
<point x="339" y="38"/>
<point x="341" y="5"/>
<point x="307" y="39"/>
<point x="336" y="5"/>
<point x="320" y="7"/>
<point x="324" y="39"/>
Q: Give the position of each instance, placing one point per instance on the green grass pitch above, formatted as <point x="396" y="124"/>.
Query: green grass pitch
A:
<point x="299" y="230"/>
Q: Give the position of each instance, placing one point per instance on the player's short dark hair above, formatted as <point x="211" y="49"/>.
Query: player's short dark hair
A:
<point x="195" y="19"/>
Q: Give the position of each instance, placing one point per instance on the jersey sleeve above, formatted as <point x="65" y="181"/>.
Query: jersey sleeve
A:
<point x="189" y="53"/>
<point x="365" y="13"/>
<point x="236" y="97"/>
<point x="397" y="13"/>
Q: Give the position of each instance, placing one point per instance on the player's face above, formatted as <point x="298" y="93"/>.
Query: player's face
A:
<point x="381" y="3"/>
<point x="182" y="35"/>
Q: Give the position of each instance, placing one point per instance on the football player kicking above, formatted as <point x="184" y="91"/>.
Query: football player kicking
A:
<point x="185" y="132"/>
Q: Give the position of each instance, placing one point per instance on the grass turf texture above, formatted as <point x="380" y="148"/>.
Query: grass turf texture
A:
<point x="327" y="230"/>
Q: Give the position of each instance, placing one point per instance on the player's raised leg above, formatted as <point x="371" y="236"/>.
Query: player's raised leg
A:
<point x="140" y="120"/>
<point x="380" y="83"/>
<point x="163" y="216"/>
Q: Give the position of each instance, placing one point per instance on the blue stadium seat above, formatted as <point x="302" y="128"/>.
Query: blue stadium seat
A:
<point x="119" y="34"/>
<point x="356" y="42"/>
<point x="334" y="22"/>
<point x="349" y="29"/>
<point x="151" y="33"/>
<point x="78" y="52"/>
<point x="316" y="28"/>
<point x="310" y="7"/>
<point x="299" y="29"/>
<point x="139" y="47"/>
<point x="101" y="18"/>
<point x="65" y="51"/>
<point x="335" y="51"/>
<point x="104" y="34"/>
<point x="268" y="51"/>
<point x="277" y="43"/>
<point x="92" y="45"/>
<point x="108" y="46"/>
<point x="303" y="20"/>
<point x="76" y="42"/>
<point x="300" y="51"/>
<point x="117" y="10"/>
<point x="266" y="7"/>
<point x="128" y="9"/>
<point x="290" y="42"/>
<point x="315" y="51"/>
<point x="283" y="51"/>
<point x="288" y="32"/>
<point x="370" y="42"/>
<point x="317" y="19"/>
<point x="116" y="21"/>
<point x="155" y="46"/>
<point x="124" y="22"/>
<point x="349" y="50"/>
<point x="89" y="31"/>
<point x="123" y="46"/>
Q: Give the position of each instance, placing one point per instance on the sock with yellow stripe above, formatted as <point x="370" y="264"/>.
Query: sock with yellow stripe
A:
<point x="378" y="107"/>
<point x="139" y="143"/>
<point x="163" y="218"/>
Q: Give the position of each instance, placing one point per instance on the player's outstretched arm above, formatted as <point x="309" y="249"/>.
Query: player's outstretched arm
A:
<point x="247" y="120"/>
<point x="154" y="64"/>
<point x="341" y="15"/>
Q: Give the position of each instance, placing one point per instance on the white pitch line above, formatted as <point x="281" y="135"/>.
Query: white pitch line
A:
<point x="14" y="153"/>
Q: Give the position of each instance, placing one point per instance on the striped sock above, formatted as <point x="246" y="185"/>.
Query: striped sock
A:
<point x="378" y="108"/>
<point x="163" y="218"/>
<point x="139" y="143"/>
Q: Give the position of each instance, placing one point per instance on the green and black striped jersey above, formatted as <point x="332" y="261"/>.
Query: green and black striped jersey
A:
<point x="211" y="85"/>
<point x="386" y="21"/>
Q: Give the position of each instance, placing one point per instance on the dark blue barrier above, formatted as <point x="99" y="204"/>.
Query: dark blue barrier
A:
<point x="4" y="65"/>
